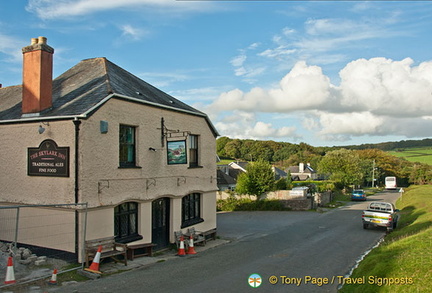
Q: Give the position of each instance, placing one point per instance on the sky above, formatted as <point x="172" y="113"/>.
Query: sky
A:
<point x="326" y="73"/>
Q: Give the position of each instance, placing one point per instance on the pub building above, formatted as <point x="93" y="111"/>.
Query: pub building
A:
<point x="142" y="162"/>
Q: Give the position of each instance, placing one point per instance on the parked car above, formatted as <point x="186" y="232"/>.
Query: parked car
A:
<point x="381" y="214"/>
<point x="358" y="194"/>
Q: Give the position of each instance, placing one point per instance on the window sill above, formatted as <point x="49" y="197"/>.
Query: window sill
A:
<point x="128" y="239"/>
<point x="130" y="167"/>
<point x="195" y="167"/>
<point x="191" y="222"/>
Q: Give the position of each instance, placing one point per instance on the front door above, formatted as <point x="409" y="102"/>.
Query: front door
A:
<point x="161" y="222"/>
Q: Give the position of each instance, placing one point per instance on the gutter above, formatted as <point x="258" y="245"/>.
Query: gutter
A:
<point x="42" y="118"/>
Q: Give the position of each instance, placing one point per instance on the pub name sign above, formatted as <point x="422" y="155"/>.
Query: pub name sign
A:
<point x="48" y="160"/>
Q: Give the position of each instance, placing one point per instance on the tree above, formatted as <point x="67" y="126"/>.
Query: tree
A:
<point x="344" y="166"/>
<point x="220" y="145"/>
<point x="232" y="148"/>
<point x="421" y="174"/>
<point x="386" y="164"/>
<point x="258" y="179"/>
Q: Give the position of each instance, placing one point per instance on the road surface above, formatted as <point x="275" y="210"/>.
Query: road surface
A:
<point x="279" y="251"/>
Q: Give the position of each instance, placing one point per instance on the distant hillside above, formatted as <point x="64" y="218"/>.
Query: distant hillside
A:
<point x="393" y="146"/>
<point x="417" y="154"/>
<point x="289" y="154"/>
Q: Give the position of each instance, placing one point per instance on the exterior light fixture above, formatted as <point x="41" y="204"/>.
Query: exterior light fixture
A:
<point x="41" y="129"/>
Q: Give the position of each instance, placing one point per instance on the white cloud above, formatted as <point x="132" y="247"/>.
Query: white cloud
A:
<point x="304" y="87"/>
<point x="262" y="130"/>
<point x="238" y="60"/>
<point x="248" y="72"/>
<point x="387" y="87"/>
<point x="320" y="41"/>
<point x="10" y="46"/>
<point x="378" y="96"/>
<point x="244" y="125"/>
<point x="357" y="123"/>
<point x="132" y="32"/>
<point x="53" y="9"/>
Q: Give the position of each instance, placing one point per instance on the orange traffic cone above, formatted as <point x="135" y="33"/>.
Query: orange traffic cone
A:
<point x="181" y="251"/>
<point x="10" y="276"/>
<point x="53" y="280"/>
<point x="191" y="249"/>
<point x="94" y="267"/>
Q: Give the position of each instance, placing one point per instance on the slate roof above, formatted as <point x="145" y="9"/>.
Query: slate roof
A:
<point x="224" y="179"/>
<point x="279" y="173"/>
<point x="86" y="86"/>
<point x="238" y="165"/>
<point x="296" y="169"/>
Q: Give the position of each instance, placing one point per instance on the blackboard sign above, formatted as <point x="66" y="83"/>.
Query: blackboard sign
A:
<point x="48" y="160"/>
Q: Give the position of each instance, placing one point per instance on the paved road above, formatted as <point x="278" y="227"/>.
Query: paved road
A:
<point x="294" y="247"/>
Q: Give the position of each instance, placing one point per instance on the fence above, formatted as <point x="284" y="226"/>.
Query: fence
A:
<point x="32" y="233"/>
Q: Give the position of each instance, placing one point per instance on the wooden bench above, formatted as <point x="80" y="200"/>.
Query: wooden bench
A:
<point x="210" y="234"/>
<point x="110" y="249"/>
<point x="198" y="237"/>
<point x="139" y="249"/>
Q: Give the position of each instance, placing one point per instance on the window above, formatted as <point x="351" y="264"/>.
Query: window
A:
<point x="191" y="209"/>
<point x="193" y="150"/>
<point x="126" y="222"/>
<point x="127" y="146"/>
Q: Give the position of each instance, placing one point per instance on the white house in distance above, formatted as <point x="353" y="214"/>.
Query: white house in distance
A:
<point x="143" y="161"/>
<point x="303" y="172"/>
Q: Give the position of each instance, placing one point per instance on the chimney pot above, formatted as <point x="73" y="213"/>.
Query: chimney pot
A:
<point x="34" y="41"/>
<point x="42" y="40"/>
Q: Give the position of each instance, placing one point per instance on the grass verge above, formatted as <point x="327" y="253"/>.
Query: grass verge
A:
<point x="404" y="258"/>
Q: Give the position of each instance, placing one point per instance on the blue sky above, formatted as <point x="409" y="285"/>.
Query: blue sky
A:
<point x="321" y="72"/>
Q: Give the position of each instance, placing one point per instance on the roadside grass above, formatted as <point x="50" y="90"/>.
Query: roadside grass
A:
<point x="405" y="256"/>
<point x="71" y="274"/>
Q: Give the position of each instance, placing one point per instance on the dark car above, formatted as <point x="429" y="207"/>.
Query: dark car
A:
<point x="358" y="194"/>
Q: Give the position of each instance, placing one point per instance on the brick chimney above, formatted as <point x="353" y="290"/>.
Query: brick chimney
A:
<point x="37" y="77"/>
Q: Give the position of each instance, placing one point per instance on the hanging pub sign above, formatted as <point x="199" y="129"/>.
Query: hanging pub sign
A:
<point x="177" y="152"/>
<point x="48" y="160"/>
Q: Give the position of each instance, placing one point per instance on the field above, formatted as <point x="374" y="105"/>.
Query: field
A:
<point x="421" y="155"/>
<point x="402" y="263"/>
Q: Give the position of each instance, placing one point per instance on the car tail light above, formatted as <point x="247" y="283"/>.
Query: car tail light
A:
<point x="363" y="215"/>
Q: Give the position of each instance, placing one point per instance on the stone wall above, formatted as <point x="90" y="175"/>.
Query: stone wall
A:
<point x="294" y="202"/>
<point x="321" y="199"/>
<point x="301" y="204"/>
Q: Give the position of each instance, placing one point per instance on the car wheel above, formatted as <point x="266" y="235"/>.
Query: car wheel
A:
<point x="389" y="229"/>
<point x="365" y="226"/>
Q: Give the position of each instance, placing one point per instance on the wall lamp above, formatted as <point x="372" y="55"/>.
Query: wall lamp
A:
<point x="41" y="129"/>
<point x="152" y="149"/>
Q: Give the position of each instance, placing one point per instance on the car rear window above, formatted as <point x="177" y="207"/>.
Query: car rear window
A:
<point x="378" y="206"/>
